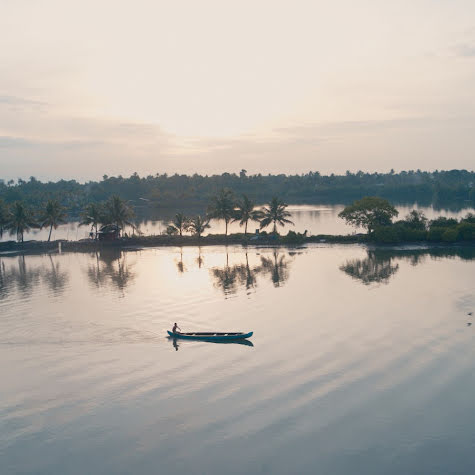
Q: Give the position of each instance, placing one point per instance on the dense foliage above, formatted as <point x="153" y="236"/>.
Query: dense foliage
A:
<point x="416" y="227"/>
<point x="369" y="212"/>
<point x="179" y="191"/>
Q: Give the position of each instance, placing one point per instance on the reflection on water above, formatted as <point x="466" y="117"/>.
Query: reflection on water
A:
<point x="177" y="343"/>
<point x="179" y="263"/>
<point x="371" y="269"/>
<point x="19" y="275"/>
<point x="380" y="265"/>
<point x="231" y="278"/>
<point x="344" y="377"/>
<point x="109" y="266"/>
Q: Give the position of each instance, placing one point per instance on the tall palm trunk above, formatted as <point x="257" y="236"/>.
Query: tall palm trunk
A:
<point x="245" y="229"/>
<point x="50" y="229"/>
<point x="226" y="232"/>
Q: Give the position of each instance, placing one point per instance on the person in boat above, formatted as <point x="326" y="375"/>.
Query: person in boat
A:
<point x="174" y="329"/>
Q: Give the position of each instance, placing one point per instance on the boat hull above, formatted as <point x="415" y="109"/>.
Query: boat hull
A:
<point x="211" y="336"/>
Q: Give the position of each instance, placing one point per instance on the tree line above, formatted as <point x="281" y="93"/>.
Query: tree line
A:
<point x="376" y="215"/>
<point x="19" y="217"/>
<point x="439" y="187"/>
<point x="226" y="207"/>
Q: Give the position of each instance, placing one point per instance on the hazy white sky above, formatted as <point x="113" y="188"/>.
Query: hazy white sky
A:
<point x="96" y="86"/>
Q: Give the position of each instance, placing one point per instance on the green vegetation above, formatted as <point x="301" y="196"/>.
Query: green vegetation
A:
<point x="198" y="225"/>
<point x="375" y="214"/>
<point x="448" y="188"/>
<point x="245" y="212"/>
<point x="92" y="215"/>
<point x="3" y="217"/>
<point x="20" y="220"/>
<point x="275" y="213"/>
<point x="438" y="230"/>
<point x="54" y="215"/>
<point x="369" y="212"/>
<point x="117" y="212"/>
<point x="222" y="207"/>
<point x="180" y="223"/>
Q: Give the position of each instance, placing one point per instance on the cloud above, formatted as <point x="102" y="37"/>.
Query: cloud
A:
<point x="465" y="50"/>
<point x="16" y="102"/>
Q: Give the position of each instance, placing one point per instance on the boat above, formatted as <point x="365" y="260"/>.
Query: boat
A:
<point x="211" y="336"/>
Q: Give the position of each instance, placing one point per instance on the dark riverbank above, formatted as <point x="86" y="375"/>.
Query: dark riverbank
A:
<point x="40" y="247"/>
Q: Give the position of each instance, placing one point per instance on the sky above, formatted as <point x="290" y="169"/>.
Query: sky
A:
<point x="113" y="87"/>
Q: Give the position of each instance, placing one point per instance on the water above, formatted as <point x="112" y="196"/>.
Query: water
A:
<point x="363" y="362"/>
<point x="316" y="219"/>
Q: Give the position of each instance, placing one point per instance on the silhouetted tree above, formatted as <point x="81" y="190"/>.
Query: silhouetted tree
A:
<point x="369" y="212"/>
<point x="117" y="212"/>
<point x="53" y="215"/>
<point x="180" y="222"/>
<point x="275" y="213"/>
<point x="198" y="225"/>
<point x="20" y="220"/>
<point x="93" y="214"/>
<point x="222" y="207"/>
<point x="3" y="217"/>
<point x="245" y="212"/>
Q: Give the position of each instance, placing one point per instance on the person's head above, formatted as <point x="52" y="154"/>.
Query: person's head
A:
<point x="175" y="323"/>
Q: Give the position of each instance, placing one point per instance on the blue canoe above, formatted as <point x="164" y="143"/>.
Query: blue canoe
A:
<point x="211" y="336"/>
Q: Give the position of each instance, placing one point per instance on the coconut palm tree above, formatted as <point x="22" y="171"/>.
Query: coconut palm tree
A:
<point x="116" y="211"/>
<point x="92" y="215"/>
<point x="20" y="219"/>
<point x="53" y="216"/>
<point x="275" y="213"/>
<point x="198" y="225"/>
<point x="245" y="212"/>
<point x="222" y="207"/>
<point x="180" y="223"/>
<point x="3" y="217"/>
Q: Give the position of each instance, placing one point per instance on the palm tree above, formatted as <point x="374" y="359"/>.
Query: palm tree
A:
<point x="198" y="225"/>
<point x="222" y="207"/>
<point x="118" y="212"/>
<point x="276" y="213"/>
<point x="54" y="215"/>
<point x="93" y="215"/>
<point x="3" y="217"/>
<point x="20" y="220"/>
<point x="245" y="212"/>
<point x="180" y="223"/>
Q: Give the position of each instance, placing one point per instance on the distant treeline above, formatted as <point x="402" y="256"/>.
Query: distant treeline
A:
<point x="454" y="189"/>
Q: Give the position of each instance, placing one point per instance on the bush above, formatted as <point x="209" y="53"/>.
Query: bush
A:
<point x="293" y="238"/>
<point x="450" y="235"/>
<point x="435" y="233"/>
<point x="443" y="222"/>
<point x="414" y="235"/>
<point x="466" y="231"/>
<point x="387" y="234"/>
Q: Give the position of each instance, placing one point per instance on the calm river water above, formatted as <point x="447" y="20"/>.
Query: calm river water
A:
<point x="316" y="219"/>
<point x="362" y="362"/>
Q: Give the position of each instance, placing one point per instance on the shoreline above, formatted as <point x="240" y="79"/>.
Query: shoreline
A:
<point x="13" y="248"/>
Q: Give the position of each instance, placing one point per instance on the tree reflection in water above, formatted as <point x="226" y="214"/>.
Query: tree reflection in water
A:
<point x="380" y="265"/>
<point x="231" y="278"/>
<point x="371" y="269"/>
<point x="276" y="267"/>
<point x="55" y="278"/>
<point x="179" y="264"/>
<point x="25" y="278"/>
<point x="110" y="267"/>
